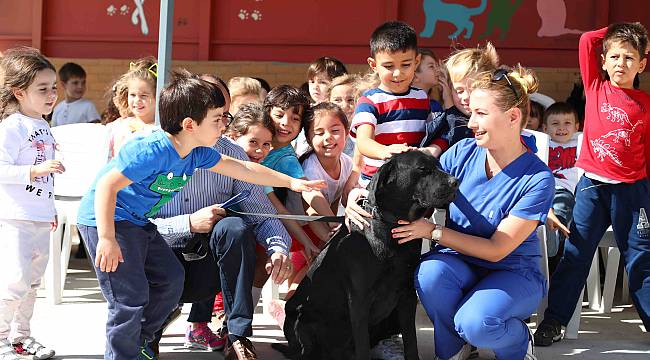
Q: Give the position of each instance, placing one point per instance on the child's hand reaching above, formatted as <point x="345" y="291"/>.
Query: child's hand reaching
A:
<point x="390" y="150"/>
<point x="45" y="168"/>
<point x="108" y="254"/>
<point x="311" y="251"/>
<point x="555" y="224"/>
<point x="300" y="185"/>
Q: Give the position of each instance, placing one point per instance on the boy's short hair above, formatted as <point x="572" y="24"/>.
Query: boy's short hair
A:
<point x="70" y="70"/>
<point x="536" y="110"/>
<point x="187" y="95"/>
<point x="634" y="34"/>
<point x="560" y="108"/>
<point x="329" y="65"/>
<point x="264" y="83"/>
<point x="287" y="97"/>
<point x="393" y="36"/>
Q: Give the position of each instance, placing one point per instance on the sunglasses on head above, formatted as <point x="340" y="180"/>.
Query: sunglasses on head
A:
<point x="500" y="74"/>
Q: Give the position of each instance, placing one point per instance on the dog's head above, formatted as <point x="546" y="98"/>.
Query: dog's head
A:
<point x="409" y="186"/>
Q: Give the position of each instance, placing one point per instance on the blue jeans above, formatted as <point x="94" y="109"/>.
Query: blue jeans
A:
<point x="563" y="203"/>
<point x="233" y="246"/>
<point x="599" y="205"/>
<point x="143" y="290"/>
<point x="471" y="304"/>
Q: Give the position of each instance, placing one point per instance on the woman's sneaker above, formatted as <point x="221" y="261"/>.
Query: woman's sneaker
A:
<point x="29" y="346"/>
<point x="204" y="339"/>
<point x="548" y="332"/>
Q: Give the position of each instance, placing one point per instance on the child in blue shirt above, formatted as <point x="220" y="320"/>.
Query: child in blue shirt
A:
<point x="139" y="275"/>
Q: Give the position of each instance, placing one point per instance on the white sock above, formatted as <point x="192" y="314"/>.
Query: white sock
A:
<point x="257" y="294"/>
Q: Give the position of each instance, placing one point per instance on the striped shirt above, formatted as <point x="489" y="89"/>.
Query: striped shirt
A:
<point x="207" y="188"/>
<point x="396" y="119"/>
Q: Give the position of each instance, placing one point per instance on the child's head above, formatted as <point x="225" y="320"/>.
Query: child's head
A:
<point x="319" y="75"/>
<point x="393" y="56"/>
<point x="221" y="85"/>
<point x="561" y="122"/>
<point x="535" y="116"/>
<point x="252" y="131"/>
<point x="113" y="110"/>
<point x="73" y="78"/>
<point x="28" y="83"/>
<point x="624" y="49"/>
<point x="462" y="65"/>
<point x="190" y="104"/>
<point x="342" y="93"/>
<point x="140" y="94"/>
<point x="285" y="105"/>
<point x="265" y="87"/>
<point x="326" y="129"/>
<point x="244" y="90"/>
<point x="426" y="74"/>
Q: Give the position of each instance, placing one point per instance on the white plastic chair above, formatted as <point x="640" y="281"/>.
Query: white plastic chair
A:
<point x="83" y="149"/>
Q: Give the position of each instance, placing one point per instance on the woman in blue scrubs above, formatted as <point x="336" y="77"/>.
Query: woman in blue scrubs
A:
<point x="483" y="277"/>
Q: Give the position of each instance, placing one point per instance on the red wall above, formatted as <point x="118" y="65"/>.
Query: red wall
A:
<point x="297" y="31"/>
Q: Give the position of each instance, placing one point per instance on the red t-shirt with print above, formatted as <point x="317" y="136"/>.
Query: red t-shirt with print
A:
<point x="616" y="125"/>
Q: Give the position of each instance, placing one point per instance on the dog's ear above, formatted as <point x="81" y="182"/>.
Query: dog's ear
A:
<point x="378" y="183"/>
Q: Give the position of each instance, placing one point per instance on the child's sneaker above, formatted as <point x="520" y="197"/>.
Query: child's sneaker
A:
<point x="29" y="346"/>
<point x="7" y="351"/>
<point x="548" y="332"/>
<point x="204" y="339"/>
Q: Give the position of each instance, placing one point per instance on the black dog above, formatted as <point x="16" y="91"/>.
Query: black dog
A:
<point x="360" y="278"/>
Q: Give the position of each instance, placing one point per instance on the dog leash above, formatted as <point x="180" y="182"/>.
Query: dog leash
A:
<point x="238" y="198"/>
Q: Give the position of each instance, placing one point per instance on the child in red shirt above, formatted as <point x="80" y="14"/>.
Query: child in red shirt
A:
<point x="614" y="189"/>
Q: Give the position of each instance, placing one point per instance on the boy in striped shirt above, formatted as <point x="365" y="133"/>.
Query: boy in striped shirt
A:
<point x="390" y="119"/>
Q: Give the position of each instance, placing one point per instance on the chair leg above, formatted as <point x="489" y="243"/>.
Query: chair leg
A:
<point x="611" y="272"/>
<point x="571" y="331"/>
<point x="66" y="247"/>
<point x="593" y="283"/>
<point x="53" y="270"/>
<point x="625" y="292"/>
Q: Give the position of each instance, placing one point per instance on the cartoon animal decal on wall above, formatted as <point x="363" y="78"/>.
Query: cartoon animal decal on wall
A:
<point x="500" y="17"/>
<point x="459" y="15"/>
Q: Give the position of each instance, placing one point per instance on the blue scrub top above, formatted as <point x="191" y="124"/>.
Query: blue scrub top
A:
<point x="524" y="189"/>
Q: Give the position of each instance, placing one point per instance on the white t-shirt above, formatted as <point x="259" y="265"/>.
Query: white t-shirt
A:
<point x="562" y="161"/>
<point x="80" y="111"/>
<point x="314" y="171"/>
<point x="24" y="142"/>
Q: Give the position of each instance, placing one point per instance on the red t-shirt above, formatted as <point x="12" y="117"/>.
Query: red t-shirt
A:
<point x="616" y="120"/>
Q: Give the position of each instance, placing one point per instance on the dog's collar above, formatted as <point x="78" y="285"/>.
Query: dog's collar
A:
<point x="376" y="214"/>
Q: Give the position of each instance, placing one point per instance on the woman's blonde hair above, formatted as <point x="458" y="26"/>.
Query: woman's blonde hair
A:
<point x="463" y="64"/>
<point x="510" y="87"/>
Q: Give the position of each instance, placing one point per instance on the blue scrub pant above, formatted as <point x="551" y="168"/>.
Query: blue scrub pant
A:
<point x="471" y="304"/>
<point x="143" y="291"/>
<point x="598" y="205"/>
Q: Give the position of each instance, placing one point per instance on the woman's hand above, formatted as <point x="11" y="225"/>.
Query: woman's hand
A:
<point x="417" y="229"/>
<point x="355" y="213"/>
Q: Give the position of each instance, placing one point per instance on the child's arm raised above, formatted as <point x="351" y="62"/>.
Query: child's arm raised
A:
<point x="261" y="175"/>
<point x="589" y="56"/>
<point x="108" y="254"/>
<point x="374" y="150"/>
